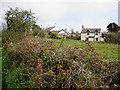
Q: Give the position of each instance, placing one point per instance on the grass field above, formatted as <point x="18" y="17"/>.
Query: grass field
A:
<point x="104" y="49"/>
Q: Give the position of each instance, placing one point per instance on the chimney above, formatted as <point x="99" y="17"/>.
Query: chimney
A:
<point x="65" y="29"/>
<point x="82" y="26"/>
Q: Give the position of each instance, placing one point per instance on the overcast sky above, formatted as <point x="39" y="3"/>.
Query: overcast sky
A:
<point x="67" y="13"/>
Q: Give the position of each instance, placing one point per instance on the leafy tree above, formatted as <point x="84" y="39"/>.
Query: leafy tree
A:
<point x="113" y="27"/>
<point x="19" y="20"/>
<point x="36" y="27"/>
<point x="72" y="31"/>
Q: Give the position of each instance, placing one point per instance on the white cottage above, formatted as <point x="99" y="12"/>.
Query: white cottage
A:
<point x="60" y="32"/>
<point x="91" y="34"/>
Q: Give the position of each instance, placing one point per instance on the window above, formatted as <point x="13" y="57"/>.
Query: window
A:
<point x="96" y="39"/>
<point x="88" y="32"/>
<point x="96" y="32"/>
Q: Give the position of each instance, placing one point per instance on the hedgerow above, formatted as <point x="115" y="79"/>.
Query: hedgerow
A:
<point x="47" y="65"/>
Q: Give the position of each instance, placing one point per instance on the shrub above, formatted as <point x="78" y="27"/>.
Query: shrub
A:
<point x="40" y="33"/>
<point x="47" y="36"/>
<point x="77" y="37"/>
<point x="53" y="35"/>
<point x="35" y="33"/>
<point x="112" y="37"/>
<point x="43" y="33"/>
<point x="50" y="66"/>
<point x="59" y="37"/>
<point x="9" y="37"/>
<point x="12" y="36"/>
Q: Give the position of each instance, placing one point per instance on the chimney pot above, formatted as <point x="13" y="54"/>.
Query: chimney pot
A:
<point x="82" y="26"/>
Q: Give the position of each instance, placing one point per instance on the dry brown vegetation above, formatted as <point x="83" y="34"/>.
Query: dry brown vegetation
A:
<point x="47" y="65"/>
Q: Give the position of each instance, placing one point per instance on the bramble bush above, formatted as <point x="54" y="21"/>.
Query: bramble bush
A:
<point x="12" y="36"/>
<point x="47" y="65"/>
<point x="9" y="37"/>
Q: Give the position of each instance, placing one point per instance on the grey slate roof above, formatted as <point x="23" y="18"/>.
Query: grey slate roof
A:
<point x="84" y="30"/>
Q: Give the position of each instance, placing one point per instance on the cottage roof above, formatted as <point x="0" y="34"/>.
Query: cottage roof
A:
<point x="84" y="30"/>
<point x="77" y="34"/>
<point x="60" y="31"/>
<point x="66" y="31"/>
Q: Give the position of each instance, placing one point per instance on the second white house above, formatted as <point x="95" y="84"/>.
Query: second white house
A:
<point x="91" y="34"/>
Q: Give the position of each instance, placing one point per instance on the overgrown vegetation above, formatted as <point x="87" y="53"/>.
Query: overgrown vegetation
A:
<point x="11" y="36"/>
<point x="40" y="63"/>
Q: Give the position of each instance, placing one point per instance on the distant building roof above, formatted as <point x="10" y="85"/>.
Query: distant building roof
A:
<point x="113" y="27"/>
<point x="77" y="34"/>
<point x="65" y="31"/>
<point x="60" y="31"/>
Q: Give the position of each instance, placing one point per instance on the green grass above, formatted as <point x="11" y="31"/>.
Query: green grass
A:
<point x="10" y="76"/>
<point x="104" y="49"/>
